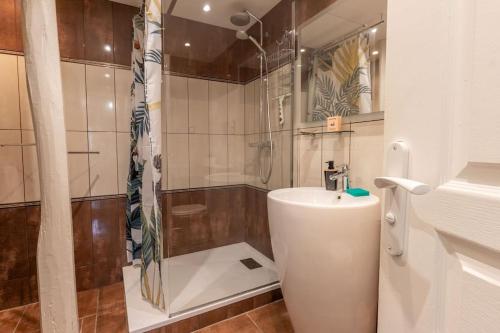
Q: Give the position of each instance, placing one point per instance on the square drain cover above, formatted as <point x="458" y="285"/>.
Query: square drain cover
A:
<point x="250" y="263"/>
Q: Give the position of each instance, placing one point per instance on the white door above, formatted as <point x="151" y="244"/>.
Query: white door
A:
<point x="443" y="99"/>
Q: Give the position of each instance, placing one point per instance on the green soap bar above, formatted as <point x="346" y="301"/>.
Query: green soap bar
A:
<point x="358" y="192"/>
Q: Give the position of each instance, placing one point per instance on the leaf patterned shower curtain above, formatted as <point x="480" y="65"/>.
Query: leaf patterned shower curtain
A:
<point x="144" y="232"/>
<point x="340" y="80"/>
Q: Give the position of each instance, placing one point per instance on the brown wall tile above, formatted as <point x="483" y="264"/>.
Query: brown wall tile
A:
<point x="15" y="293"/>
<point x="233" y="214"/>
<point x="122" y="225"/>
<point x="222" y="223"/>
<point x="305" y="9"/>
<point x="215" y="52"/>
<point x="32" y="230"/>
<point x="257" y="231"/>
<point x="85" y="277"/>
<point x="107" y="247"/>
<point x="70" y="28"/>
<point x="13" y="249"/>
<point x="98" y="27"/>
<point x="82" y="233"/>
<point x="8" y="30"/>
<point x="105" y="229"/>
<point x="123" y="32"/>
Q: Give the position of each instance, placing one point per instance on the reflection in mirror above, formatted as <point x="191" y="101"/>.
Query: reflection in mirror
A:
<point x="342" y="60"/>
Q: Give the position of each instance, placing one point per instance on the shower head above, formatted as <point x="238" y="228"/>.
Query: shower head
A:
<point x="240" y="19"/>
<point x="240" y="34"/>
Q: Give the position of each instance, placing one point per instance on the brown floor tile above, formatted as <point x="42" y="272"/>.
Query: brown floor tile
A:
<point x="111" y="298"/>
<point x="88" y="324"/>
<point x="31" y="319"/>
<point x="112" y="322"/>
<point x="184" y="326"/>
<point x="10" y="318"/>
<point x="266" y="298"/>
<point x="240" y="324"/>
<point x="272" y="318"/>
<point x="87" y="302"/>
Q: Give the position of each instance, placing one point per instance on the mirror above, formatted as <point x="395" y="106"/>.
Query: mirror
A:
<point x="341" y="63"/>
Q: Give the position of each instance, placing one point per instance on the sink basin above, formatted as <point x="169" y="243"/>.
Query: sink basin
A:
<point x="326" y="250"/>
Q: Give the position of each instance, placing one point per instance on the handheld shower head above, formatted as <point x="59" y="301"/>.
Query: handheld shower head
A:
<point x="257" y="44"/>
<point x="243" y="35"/>
<point x="240" y="34"/>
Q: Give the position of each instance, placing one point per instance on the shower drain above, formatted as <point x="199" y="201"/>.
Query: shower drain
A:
<point x="250" y="263"/>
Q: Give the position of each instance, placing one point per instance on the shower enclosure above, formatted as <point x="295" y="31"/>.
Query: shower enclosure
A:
<point x="227" y="140"/>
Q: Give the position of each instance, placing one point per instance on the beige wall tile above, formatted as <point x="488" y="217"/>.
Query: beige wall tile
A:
<point x="11" y="167"/>
<point x="274" y="111"/>
<point x="164" y="158"/>
<point x="123" y="81"/>
<point x="217" y="107"/>
<point x="100" y="98"/>
<point x="251" y="168"/>
<point x="176" y="111"/>
<point x="78" y="164"/>
<point x="275" y="181"/>
<point x="24" y="102"/>
<point x="310" y="169"/>
<point x="236" y="109"/>
<point x="30" y="167"/>
<point x="74" y="96"/>
<point x="123" y="151"/>
<point x="257" y="103"/>
<point x="286" y="158"/>
<point x="10" y="117"/>
<point x="199" y="160"/>
<point x="177" y="161"/>
<point x="250" y="108"/>
<point x="198" y="106"/>
<point x="103" y="166"/>
<point x="367" y="155"/>
<point x="236" y="159"/>
<point x="333" y="149"/>
<point x="218" y="160"/>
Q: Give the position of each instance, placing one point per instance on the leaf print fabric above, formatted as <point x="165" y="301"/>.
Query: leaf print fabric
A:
<point x="144" y="232"/>
<point x="340" y="80"/>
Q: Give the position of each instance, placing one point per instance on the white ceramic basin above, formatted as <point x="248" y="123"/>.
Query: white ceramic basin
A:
<point x="326" y="251"/>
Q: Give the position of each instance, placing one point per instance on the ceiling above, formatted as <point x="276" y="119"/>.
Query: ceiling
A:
<point x="220" y="13"/>
<point x="341" y="19"/>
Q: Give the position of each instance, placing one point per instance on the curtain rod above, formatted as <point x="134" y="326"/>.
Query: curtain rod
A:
<point x="346" y="37"/>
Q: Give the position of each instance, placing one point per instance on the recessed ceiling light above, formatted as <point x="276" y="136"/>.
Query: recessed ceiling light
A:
<point x="107" y="75"/>
<point x="375" y="52"/>
<point x="107" y="48"/>
<point x="302" y="50"/>
<point x="207" y="8"/>
<point x="374" y="30"/>
<point x="187" y="44"/>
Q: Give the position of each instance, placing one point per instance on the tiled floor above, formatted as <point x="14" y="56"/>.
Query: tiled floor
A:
<point x="271" y="318"/>
<point x="99" y="310"/>
<point x="103" y="311"/>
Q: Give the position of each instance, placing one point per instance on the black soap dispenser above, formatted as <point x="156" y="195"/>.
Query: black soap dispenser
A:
<point x="331" y="180"/>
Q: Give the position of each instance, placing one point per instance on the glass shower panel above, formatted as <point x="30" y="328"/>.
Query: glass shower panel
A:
<point x="216" y="137"/>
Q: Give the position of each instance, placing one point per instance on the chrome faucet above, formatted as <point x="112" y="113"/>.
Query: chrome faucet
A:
<point x="337" y="179"/>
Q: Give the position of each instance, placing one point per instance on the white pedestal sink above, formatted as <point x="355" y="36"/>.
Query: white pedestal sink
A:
<point x="326" y="251"/>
